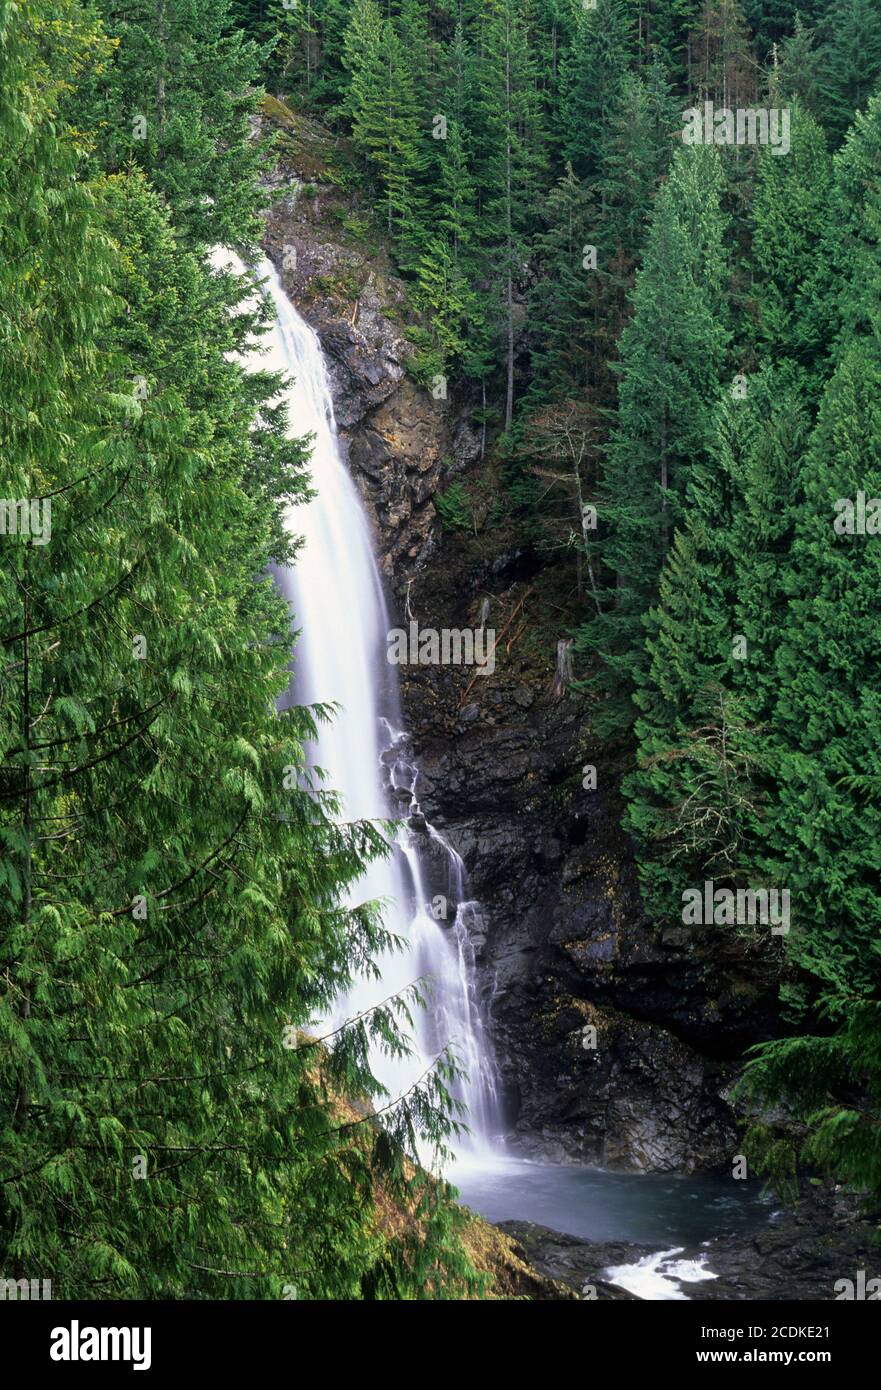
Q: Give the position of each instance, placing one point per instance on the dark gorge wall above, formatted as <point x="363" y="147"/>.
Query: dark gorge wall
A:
<point x="561" y="943"/>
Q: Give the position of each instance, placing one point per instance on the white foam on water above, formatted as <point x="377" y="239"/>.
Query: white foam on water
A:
<point x="658" y="1276"/>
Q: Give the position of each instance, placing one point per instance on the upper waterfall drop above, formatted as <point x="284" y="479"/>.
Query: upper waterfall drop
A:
<point x="338" y="605"/>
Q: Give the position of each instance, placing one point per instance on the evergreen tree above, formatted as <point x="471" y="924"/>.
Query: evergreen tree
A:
<point x="826" y="828"/>
<point x="563" y="302"/>
<point x="446" y="272"/>
<point x="833" y="305"/>
<point x="672" y="356"/>
<point x="553" y="25"/>
<point x="457" y="80"/>
<point x="851" y="64"/>
<point x="795" y="72"/>
<point x="723" y="66"/>
<point x="775" y="21"/>
<point x="413" y="29"/>
<point x="707" y="757"/>
<point x="637" y="149"/>
<point x="384" y="111"/>
<point x="852" y="250"/>
<point x="457" y="197"/>
<point x="789" y="228"/>
<point x="177" y="100"/>
<point x="303" y="45"/>
<point x="508" y="158"/>
<point x="593" y="72"/>
<point x="697" y="188"/>
<point x="665" y="27"/>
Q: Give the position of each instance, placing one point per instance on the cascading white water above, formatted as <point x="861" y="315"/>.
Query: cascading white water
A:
<point x="338" y="604"/>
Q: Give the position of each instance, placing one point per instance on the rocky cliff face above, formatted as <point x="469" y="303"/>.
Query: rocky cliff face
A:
<point x="614" y="1037"/>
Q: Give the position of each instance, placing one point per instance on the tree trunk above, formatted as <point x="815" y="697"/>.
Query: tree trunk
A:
<point x="563" y="673"/>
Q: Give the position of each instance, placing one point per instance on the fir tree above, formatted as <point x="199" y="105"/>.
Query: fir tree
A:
<point x="665" y="26"/>
<point x="790" y="226"/>
<point x="672" y="356"/>
<point x="826" y="828"/>
<point x="851" y="64"/>
<point x="593" y="71"/>
<point x="562" y="319"/>
<point x="723" y="66"/>
<point x="384" y="112"/>
<point x="707" y="757"/>
<point x="178" y="99"/>
<point x="507" y="142"/>
<point x="636" y="154"/>
<point x="795" y="73"/>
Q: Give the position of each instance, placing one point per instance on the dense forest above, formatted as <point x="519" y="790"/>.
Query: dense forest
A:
<point x="670" y="349"/>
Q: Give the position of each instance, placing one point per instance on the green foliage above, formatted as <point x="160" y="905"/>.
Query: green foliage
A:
<point x="790" y="223"/>
<point x="177" y="99"/>
<point x="454" y="508"/>
<point x="593" y="72"/>
<point x="509" y="157"/>
<point x="706" y="765"/>
<point x="837" y="1136"/>
<point x="384" y="110"/>
<point x="173" y="917"/>
<point x="851" y="63"/>
<point x="672" y="355"/>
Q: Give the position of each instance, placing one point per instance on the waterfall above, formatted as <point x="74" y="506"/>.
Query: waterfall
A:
<point x="339" y="607"/>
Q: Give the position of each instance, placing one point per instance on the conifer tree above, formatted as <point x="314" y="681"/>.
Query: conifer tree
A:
<point x="562" y="319"/>
<point x="384" y="112"/>
<point x="447" y="269"/>
<point x="707" y="757"/>
<point x="637" y="150"/>
<point x="790" y="227"/>
<point x="832" y="304"/>
<point x="826" y="828"/>
<point x="851" y="64"/>
<point x="665" y="29"/>
<point x="412" y="27"/>
<point x="774" y="21"/>
<point x="852" y="250"/>
<point x="508" y="157"/>
<point x="795" y="73"/>
<point x="177" y="99"/>
<point x="457" y="196"/>
<point x="303" y="48"/>
<point x="672" y="357"/>
<point x="723" y="67"/>
<point x="593" y="71"/>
